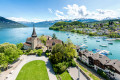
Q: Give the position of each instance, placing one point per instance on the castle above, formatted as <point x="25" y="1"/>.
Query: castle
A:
<point x="33" y="42"/>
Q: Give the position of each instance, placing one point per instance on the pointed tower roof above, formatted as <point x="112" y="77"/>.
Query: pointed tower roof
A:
<point x="34" y="32"/>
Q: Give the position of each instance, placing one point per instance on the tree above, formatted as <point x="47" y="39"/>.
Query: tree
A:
<point x="6" y="46"/>
<point x="20" y="45"/>
<point x="62" y="52"/>
<point x="9" y="53"/>
<point x="3" y="61"/>
<point x="12" y="54"/>
<point x="43" y="39"/>
<point x="54" y="36"/>
<point x="58" y="48"/>
<point x="39" y="52"/>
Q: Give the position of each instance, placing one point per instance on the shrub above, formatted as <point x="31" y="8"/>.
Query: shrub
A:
<point x="39" y="52"/>
<point x="32" y="52"/>
<point x="47" y="51"/>
<point x="47" y="54"/>
<point x="63" y="68"/>
<point x="55" y="69"/>
<point x="20" y="46"/>
<point x="73" y="63"/>
<point x="103" y="74"/>
<point x="78" y="58"/>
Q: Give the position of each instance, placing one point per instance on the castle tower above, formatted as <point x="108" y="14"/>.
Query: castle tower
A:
<point x="34" y="38"/>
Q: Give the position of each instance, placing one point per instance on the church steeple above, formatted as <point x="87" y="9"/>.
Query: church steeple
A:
<point x="34" y="32"/>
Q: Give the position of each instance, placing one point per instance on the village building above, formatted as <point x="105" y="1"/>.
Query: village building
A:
<point x="85" y="55"/>
<point x="113" y="71"/>
<point x="33" y="42"/>
<point x="101" y="62"/>
<point x="51" y="42"/>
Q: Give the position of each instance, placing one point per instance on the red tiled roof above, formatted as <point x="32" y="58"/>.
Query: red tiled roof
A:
<point x="27" y="44"/>
<point x="50" y="42"/>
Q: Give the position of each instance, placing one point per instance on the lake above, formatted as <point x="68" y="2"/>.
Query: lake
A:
<point x="17" y="35"/>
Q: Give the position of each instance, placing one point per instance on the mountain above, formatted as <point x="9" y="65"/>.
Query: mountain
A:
<point x="6" y="23"/>
<point x="50" y="23"/>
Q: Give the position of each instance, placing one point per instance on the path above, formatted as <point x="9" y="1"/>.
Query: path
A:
<point x="25" y="59"/>
<point x="73" y="71"/>
<point x="90" y="69"/>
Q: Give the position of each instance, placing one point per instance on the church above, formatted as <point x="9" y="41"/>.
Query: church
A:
<point x="33" y="42"/>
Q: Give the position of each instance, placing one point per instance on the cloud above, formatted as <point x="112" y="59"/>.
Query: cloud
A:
<point x="59" y="14"/>
<point x="21" y="19"/>
<point x="50" y="10"/>
<point x="101" y="14"/>
<point x="17" y="19"/>
<point x="76" y="11"/>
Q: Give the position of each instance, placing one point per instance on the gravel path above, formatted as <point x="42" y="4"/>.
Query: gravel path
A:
<point x="25" y="59"/>
<point x="73" y="71"/>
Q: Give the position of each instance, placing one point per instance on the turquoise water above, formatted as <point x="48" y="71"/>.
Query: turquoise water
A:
<point x="17" y="35"/>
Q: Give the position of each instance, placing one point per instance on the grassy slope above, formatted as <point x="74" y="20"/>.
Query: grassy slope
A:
<point x="65" y="76"/>
<point x="88" y="73"/>
<point x="34" y="70"/>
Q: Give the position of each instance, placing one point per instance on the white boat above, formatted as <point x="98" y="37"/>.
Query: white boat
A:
<point x="97" y="40"/>
<point x="104" y="52"/>
<point x="103" y="45"/>
<point x="83" y="46"/>
<point x="111" y="39"/>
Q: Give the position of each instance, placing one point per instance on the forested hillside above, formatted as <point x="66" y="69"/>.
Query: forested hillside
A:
<point x="6" y="23"/>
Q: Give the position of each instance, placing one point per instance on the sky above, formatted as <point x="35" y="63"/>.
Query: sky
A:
<point x="42" y="10"/>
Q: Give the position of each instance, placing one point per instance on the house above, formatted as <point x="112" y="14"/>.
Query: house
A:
<point x="113" y="71"/>
<point x="99" y="33"/>
<point x="102" y="62"/>
<point x="94" y="30"/>
<point x="33" y="42"/>
<point x="117" y="22"/>
<point x="51" y="42"/>
<point x="111" y="25"/>
<point x="99" y="61"/>
<point x="85" y="55"/>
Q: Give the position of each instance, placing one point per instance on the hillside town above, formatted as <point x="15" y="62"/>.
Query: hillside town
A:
<point x="106" y="28"/>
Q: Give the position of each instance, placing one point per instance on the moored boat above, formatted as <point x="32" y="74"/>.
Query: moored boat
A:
<point x="103" y="45"/>
<point x="104" y="52"/>
<point x="97" y="40"/>
<point x="110" y="43"/>
<point x="83" y="46"/>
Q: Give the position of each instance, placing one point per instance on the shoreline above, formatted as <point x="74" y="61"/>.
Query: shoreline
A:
<point x="108" y="38"/>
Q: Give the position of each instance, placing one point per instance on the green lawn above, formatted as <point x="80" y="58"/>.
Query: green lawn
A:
<point x="34" y="70"/>
<point x="65" y="76"/>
